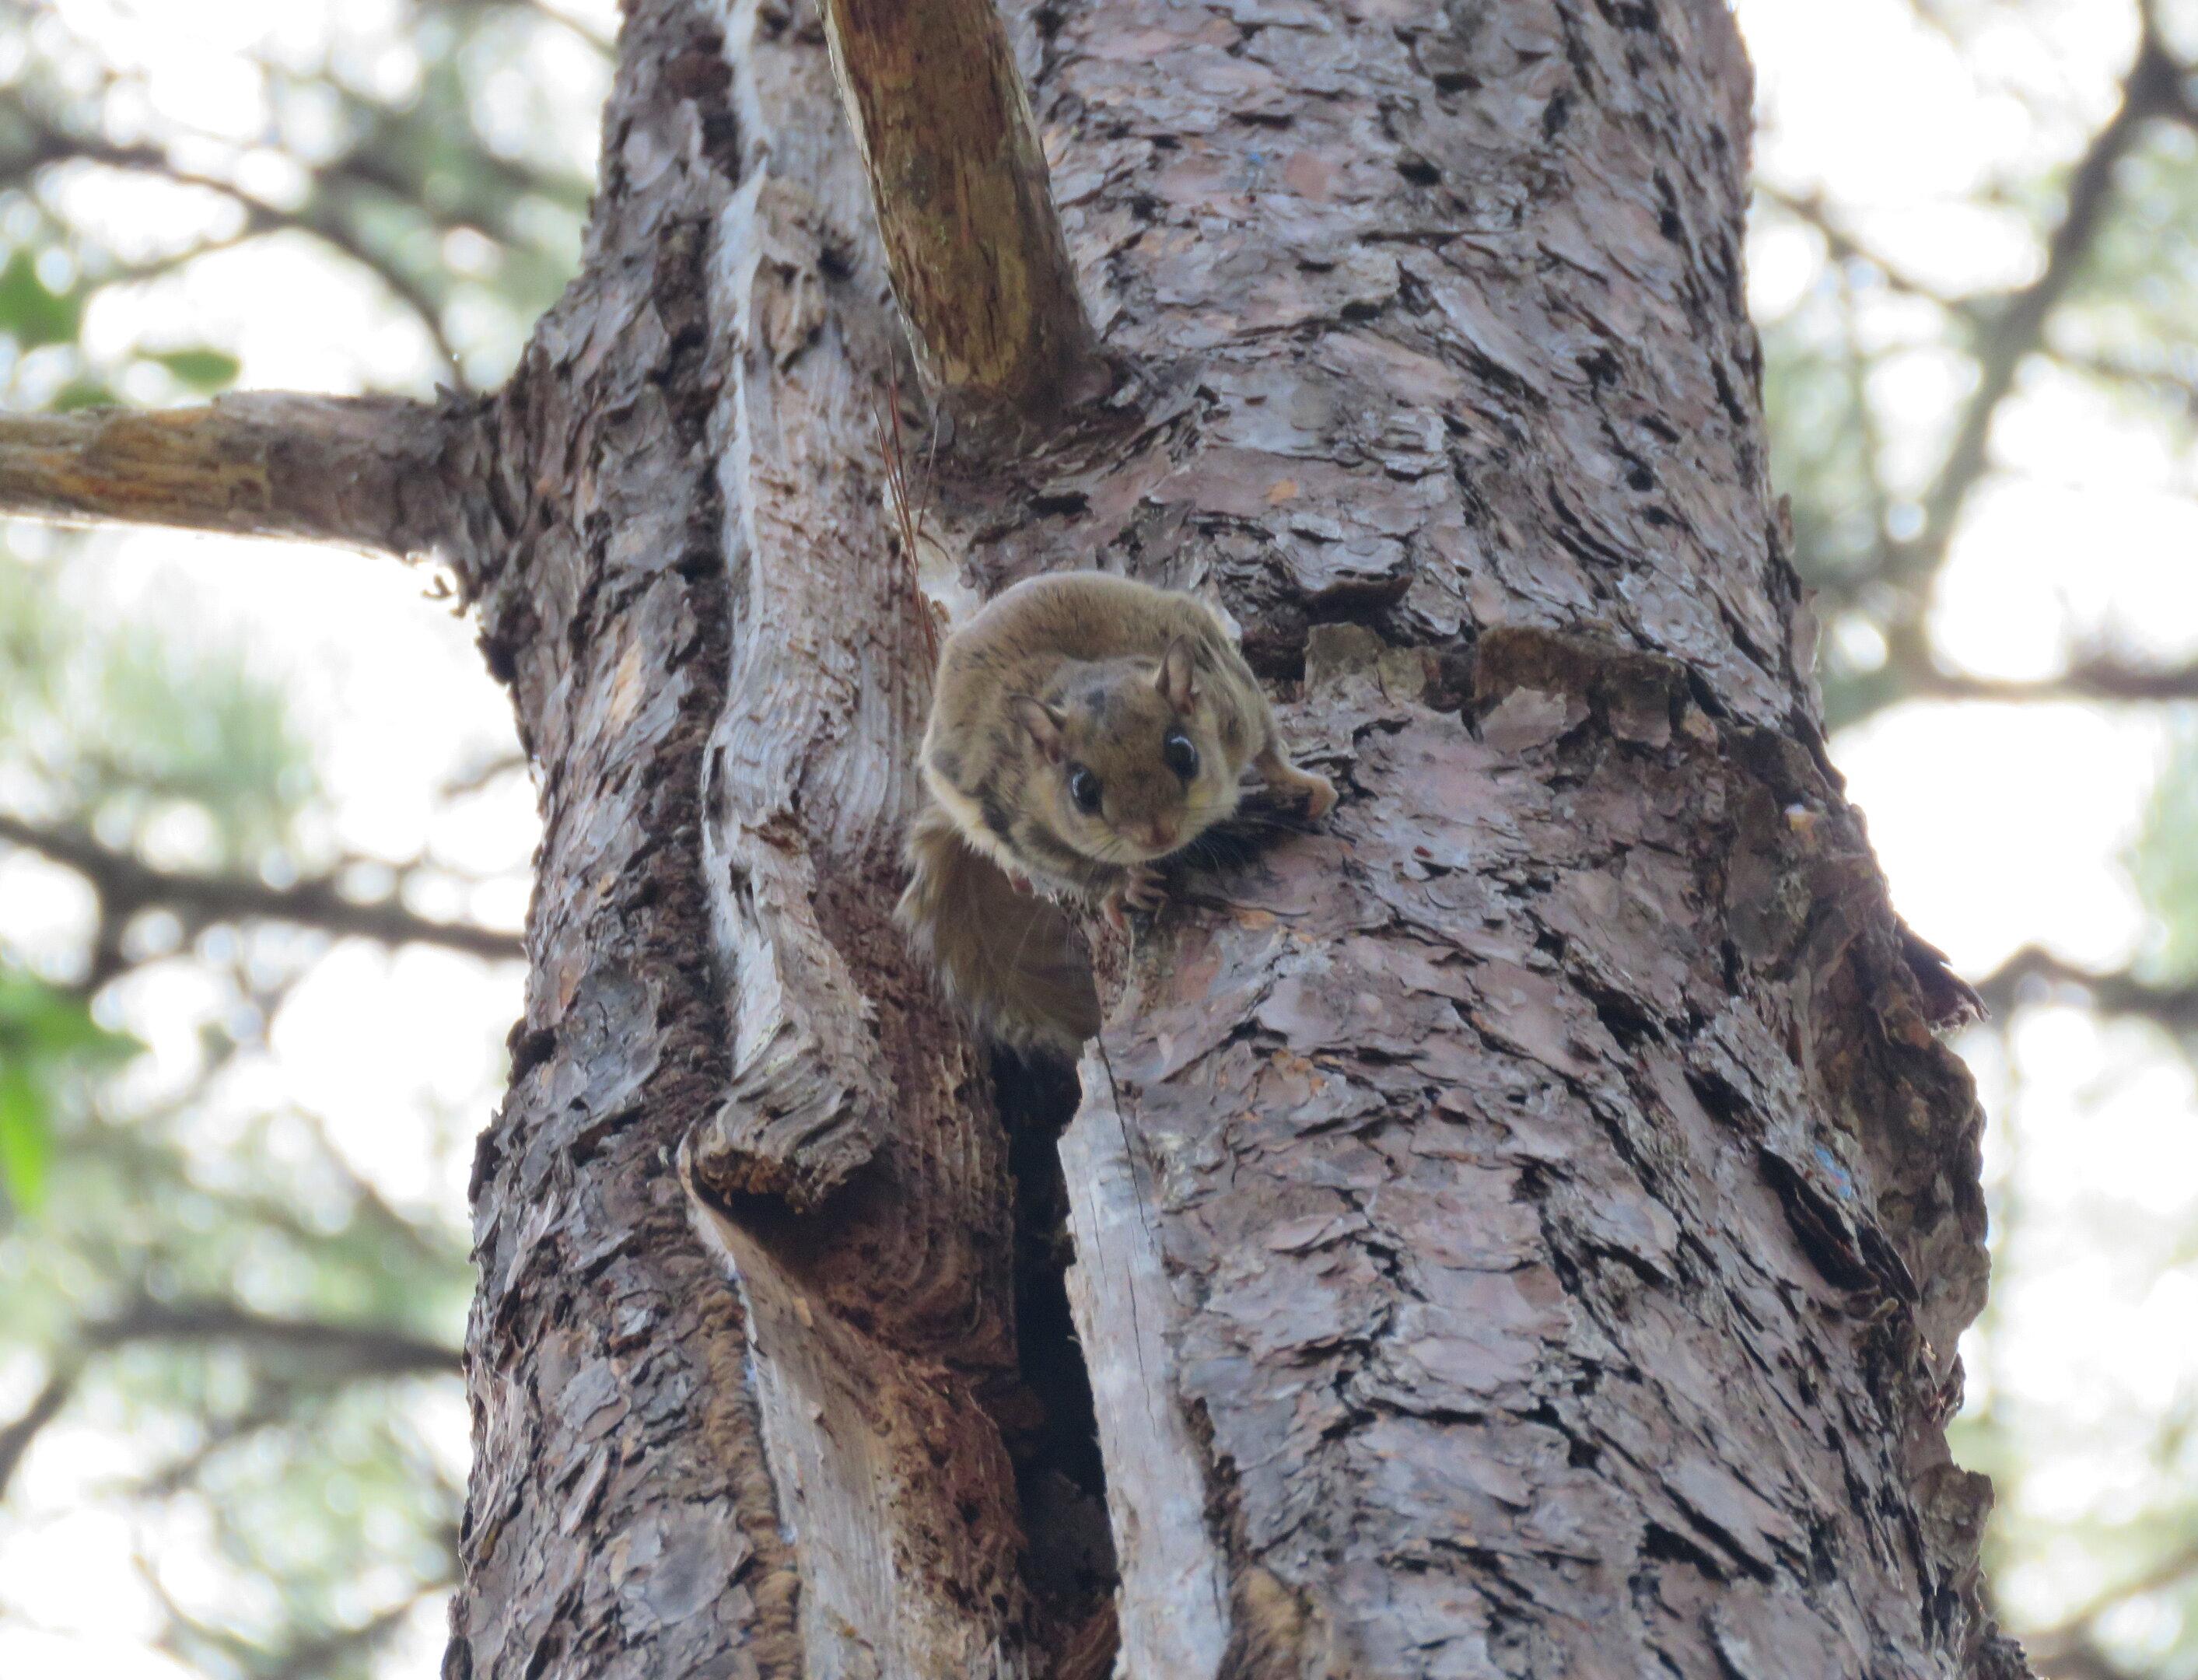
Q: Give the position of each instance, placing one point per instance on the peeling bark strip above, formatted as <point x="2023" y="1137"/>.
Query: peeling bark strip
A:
<point x="959" y="183"/>
<point x="712" y="1440"/>
<point x="369" y="472"/>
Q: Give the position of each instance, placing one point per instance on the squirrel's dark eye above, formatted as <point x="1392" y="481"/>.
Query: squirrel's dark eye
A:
<point x="1182" y="756"/>
<point x="1084" y="788"/>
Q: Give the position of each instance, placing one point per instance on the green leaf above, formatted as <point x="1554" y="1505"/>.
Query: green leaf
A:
<point x="40" y="1026"/>
<point x="202" y="369"/>
<point x="84" y="393"/>
<point x="45" y="1036"/>
<point x="26" y="1138"/>
<point x="30" y="313"/>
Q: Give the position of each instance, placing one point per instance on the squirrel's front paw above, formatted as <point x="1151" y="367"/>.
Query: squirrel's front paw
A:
<point x="1315" y="792"/>
<point x="1144" y="889"/>
<point x="1141" y="888"/>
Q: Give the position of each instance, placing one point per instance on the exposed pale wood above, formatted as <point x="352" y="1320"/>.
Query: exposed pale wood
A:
<point x="377" y="473"/>
<point x="1174" y="1609"/>
<point x="807" y="1103"/>
<point x="959" y="182"/>
<point x="858" y="1469"/>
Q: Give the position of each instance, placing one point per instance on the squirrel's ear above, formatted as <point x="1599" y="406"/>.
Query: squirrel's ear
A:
<point x="1177" y="680"/>
<point x="1043" y="721"/>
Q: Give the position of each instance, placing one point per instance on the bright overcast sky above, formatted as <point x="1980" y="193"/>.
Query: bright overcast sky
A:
<point x="1998" y="825"/>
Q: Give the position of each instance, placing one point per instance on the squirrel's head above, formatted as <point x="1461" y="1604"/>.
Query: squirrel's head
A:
<point x="1129" y="765"/>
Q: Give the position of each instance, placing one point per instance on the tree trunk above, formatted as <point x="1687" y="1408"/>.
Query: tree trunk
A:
<point x="1522" y="1229"/>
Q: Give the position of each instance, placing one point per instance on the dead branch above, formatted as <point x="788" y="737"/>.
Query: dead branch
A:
<point x="376" y="472"/>
<point x="959" y="182"/>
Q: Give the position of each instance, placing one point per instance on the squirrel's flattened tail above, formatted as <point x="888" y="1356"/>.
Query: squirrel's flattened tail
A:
<point x="1010" y="959"/>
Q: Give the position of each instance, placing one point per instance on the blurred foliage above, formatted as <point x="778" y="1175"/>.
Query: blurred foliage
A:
<point x="199" y="1292"/>
<point x="1881" y="482"/>
<point x="123" y="729"/>
<point x="1893" y="399"/>
<point x="216" y="1287"/>
<point x="2166" y="864"/>
<point x="429" y="146"/>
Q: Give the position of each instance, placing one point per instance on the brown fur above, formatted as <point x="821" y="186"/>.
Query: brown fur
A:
<point x="1072" y="671"/>
<point x="1010" y="959"/>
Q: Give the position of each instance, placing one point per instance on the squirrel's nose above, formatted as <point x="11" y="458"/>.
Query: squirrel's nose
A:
<point x="1161" y="834"/>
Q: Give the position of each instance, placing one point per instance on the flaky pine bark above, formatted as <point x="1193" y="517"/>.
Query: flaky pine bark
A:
<point x="1522" y="1229"/>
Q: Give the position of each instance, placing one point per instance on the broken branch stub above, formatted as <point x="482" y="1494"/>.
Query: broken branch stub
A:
<point x="378" y="472"/>
<point x="958" y="180"/>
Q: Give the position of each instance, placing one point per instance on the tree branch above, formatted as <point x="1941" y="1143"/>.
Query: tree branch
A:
<point x="55" y="145"/>
<point x="2098" y="677"/>
<point x="2033" y="972"/>
<point x="45" y="1406"/>
<point x="959" y="182"/>
<point x="2017" y="329"/>
<point x="376" y="472"/>
<point x="2154" y="376"/>
<point x="1846" y="247"/>
<point x="338" y="1649"/>
<point x="126" y="886"/>
<point x="2064" y="1646"/>
<point x="364" y="1349"/>
<point x="369" y="1348"/>
<point x="330" y="1653"/>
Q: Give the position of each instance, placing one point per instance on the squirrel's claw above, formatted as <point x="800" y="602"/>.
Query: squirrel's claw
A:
<point x="1317" y="792"/>
<point x="1141" y="889"/>
<point x="1311" y="792"/>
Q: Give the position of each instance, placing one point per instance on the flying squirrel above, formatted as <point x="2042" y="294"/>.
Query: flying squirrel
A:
<point x="1083" y="727"/>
